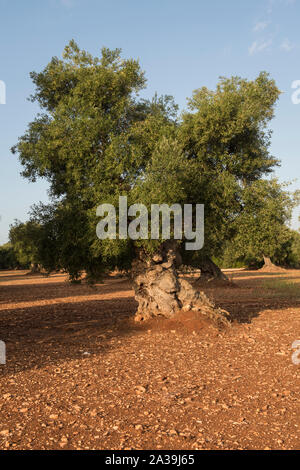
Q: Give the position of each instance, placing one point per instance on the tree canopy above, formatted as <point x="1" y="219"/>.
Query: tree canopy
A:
<point x="96" y="140"/>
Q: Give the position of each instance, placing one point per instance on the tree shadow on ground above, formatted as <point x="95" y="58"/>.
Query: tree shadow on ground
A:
<point x="41" y="335"/>
<point x="252" y="296"/>
<point x="44" y="321"/>
<point x="246" y="312"/>
<point x="261" y="274"/>
<point x="37" y="291"/>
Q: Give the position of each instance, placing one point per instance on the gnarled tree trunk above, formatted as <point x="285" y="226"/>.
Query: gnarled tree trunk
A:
<point x="268" y="262"/>
<point x="210" y="271"/>
<point x="269" y="266"/>
<point x="159" y="290"/>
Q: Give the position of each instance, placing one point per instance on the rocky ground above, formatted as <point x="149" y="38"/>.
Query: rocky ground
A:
<point x="80" y="374"/>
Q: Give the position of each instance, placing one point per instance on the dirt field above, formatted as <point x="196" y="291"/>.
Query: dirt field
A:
<point x="80" y="374"/>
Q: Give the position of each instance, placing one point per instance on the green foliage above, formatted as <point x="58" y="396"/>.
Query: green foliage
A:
<point x="92" y="143"/>
<point x="227" y="128"/>
<point x="96" y="140"/>
<point x="64" y="241"/>
<point x="78" y="143"/>
<point x="226" y="134"/>
<point x="24" y="238"/>
<point x="8" y="259"/>
<point x="294" y="253"/>
<point x="262" y="227"/>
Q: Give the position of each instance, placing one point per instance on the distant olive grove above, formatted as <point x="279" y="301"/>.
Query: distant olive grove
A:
<point x="288" y="255"/>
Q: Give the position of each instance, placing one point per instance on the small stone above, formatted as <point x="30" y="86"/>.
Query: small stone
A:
<point x="63" y="442"/>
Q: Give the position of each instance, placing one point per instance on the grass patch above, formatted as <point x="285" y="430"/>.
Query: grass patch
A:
<point x="282" y="288"/>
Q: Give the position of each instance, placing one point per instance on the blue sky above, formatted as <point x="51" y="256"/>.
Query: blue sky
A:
<point x="181" y="46"/>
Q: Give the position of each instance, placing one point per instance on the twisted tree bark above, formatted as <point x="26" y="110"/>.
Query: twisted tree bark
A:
<point x="159" y="290"/>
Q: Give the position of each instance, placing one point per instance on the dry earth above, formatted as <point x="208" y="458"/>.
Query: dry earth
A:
<point x="80" y="374"/>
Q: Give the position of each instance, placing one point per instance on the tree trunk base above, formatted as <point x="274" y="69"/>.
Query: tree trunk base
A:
<point x="270" y="267"/>
<point x="34" y="269"/>
<point x="159" y="291"/>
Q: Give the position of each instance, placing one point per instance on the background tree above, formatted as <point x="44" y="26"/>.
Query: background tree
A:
<point x="8" y="258"/>
<point x="24" y="238"/>
<point x="294" y="253"/>
<point x="262" y="231"/>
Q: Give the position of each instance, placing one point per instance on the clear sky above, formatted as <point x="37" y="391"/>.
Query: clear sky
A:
<point x="181" y="45"/>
